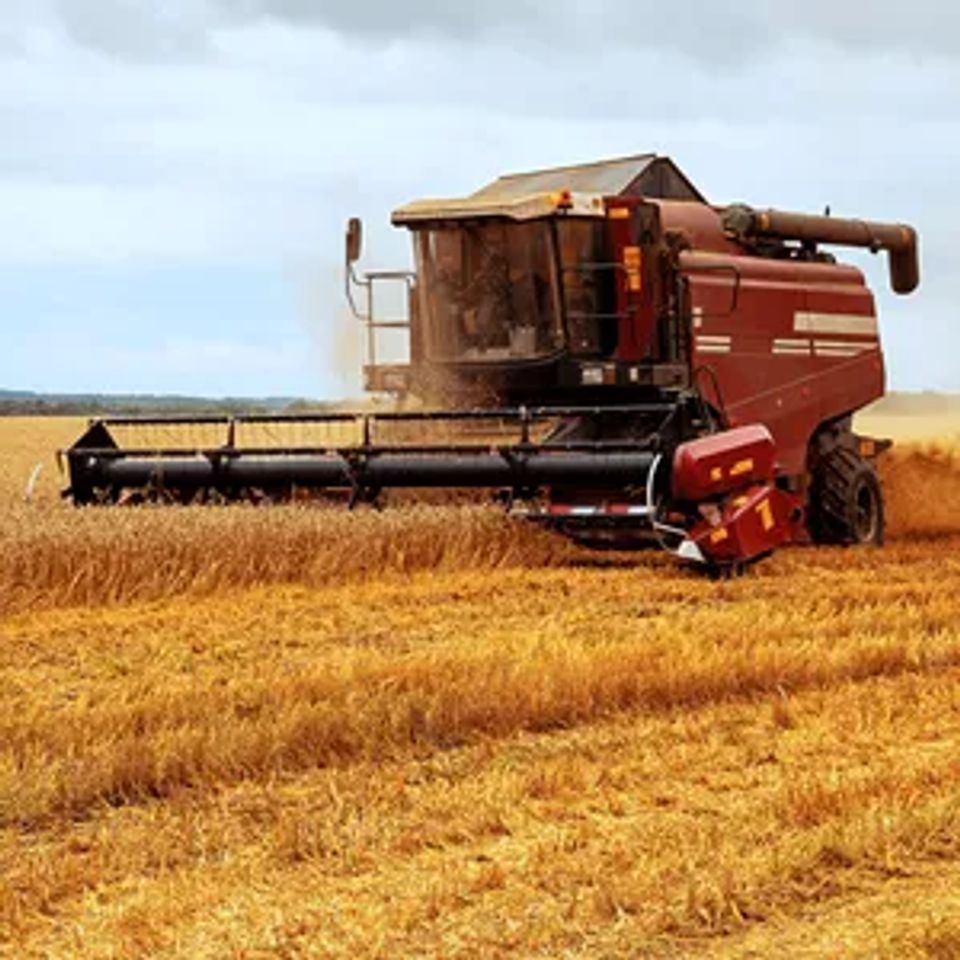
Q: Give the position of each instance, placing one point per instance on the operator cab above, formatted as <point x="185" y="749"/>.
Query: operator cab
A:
<point x="514" y="284"/>
<point x="535" y="285"/>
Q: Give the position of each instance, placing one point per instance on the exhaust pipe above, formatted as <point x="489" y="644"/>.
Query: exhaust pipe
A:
<point x="899" y="240"/>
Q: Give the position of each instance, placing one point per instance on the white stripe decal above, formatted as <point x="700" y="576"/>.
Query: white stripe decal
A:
<point x="853" y="324"/>
<point x="714" y="343"/>
<point x="792" y="348"/>
<point x="713" y="348"/>
<point x="837" y="352"/>
<point x="613" y="511"/>
<point x="839" y="348"/>
<point x="859" y="346"/>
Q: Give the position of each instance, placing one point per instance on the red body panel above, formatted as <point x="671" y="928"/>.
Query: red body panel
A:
<point x="787" y="343"/>
<point x="714" y="465"/>
<point x="748" y="526"/>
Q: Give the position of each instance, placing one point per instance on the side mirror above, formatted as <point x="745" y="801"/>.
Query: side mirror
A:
<point x="354" y="239"/>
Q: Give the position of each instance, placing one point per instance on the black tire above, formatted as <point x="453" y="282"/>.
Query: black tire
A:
<point x="846" y="501"/>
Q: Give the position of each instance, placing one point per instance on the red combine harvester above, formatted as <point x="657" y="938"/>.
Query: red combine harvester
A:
<point x="623" y="361"/>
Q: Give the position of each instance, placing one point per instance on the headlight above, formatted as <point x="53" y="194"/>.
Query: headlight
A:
<point x="592" y="376"/>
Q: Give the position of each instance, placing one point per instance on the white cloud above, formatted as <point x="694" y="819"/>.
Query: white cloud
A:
<point x="243" y="134"/>
<point x="707" y="32"/>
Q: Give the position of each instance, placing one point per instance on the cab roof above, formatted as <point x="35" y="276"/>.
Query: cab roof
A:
<point x="645" y="173"/>
<point x="579" y="190"/>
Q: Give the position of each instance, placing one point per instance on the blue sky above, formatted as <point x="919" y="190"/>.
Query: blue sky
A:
<point x="175" y="177"/>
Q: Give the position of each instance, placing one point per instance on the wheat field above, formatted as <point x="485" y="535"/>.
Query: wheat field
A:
<point x="297" y="733"/>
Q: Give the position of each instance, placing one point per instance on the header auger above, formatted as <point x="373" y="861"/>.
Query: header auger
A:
<point x="616" y="358"/>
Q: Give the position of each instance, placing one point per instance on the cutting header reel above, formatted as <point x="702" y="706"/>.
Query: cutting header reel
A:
<point x="653" y="475"/>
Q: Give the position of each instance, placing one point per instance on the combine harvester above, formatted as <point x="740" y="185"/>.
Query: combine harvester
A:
<point x="622" y="361"/>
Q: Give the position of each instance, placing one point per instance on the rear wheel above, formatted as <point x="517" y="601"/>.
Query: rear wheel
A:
<point x="846" y="502"/>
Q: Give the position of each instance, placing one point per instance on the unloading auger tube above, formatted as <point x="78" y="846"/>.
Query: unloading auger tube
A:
<point x="709" y="499"/>
<point x="898" y="239"/>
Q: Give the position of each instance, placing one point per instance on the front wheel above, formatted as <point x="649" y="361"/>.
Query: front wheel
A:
<point x="846" y="501"/>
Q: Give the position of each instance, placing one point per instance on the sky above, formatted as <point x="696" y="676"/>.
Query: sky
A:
<point x="176" y="174"/>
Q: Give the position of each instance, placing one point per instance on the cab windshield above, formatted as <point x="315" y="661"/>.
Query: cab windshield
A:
<point x="488" y="290"/>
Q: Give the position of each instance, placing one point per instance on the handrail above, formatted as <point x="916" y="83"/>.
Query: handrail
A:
<point x="367" y="282"/>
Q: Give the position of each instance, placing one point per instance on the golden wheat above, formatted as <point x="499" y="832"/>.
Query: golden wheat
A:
<point x="99" y="555"/>
<point x="53" y="557"/>
<point x="302" y="733"/>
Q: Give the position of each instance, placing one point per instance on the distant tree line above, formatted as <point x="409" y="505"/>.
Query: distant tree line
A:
<point x="14" y="404"/>
<point x="22" y="404"/>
